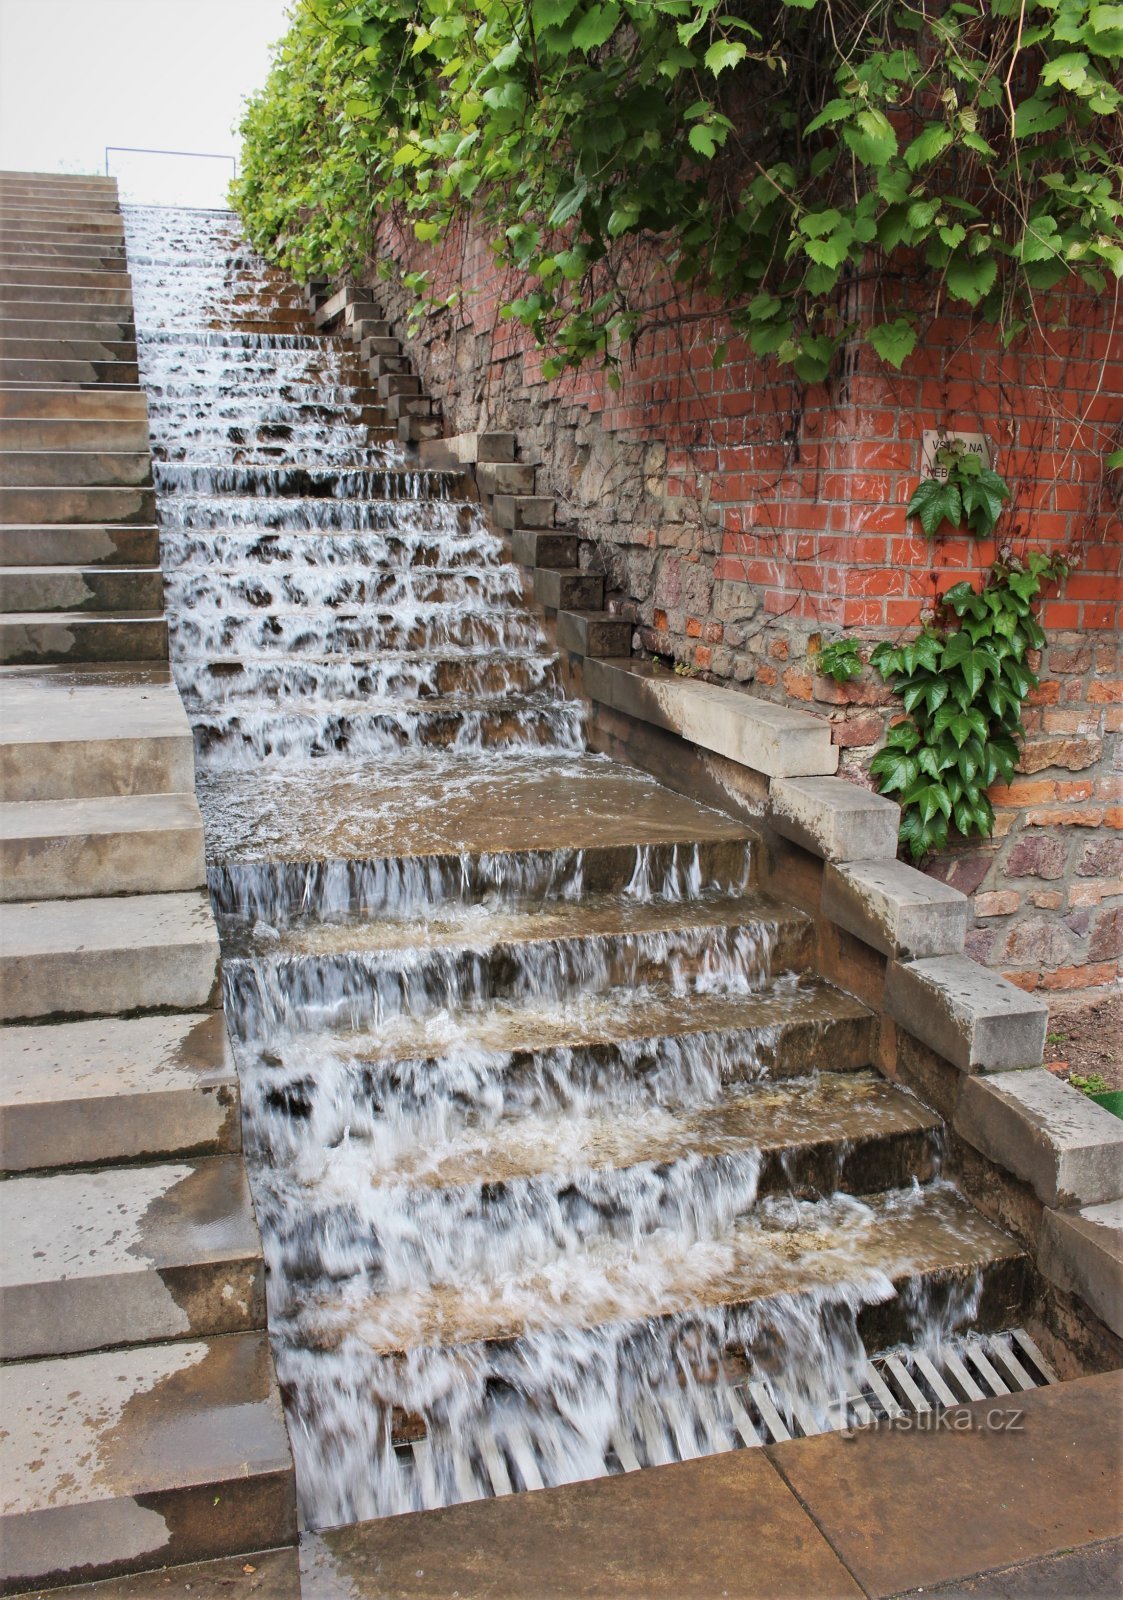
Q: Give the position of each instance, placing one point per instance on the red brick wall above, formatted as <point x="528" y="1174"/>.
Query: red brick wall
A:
<point x="739" y="516"/>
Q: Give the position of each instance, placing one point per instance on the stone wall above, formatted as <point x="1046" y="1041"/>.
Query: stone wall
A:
<point x="741" y="520"/>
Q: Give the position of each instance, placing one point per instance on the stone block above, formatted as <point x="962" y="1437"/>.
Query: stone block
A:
<point x="543" y="547"/>
<point x="598" y="634"/>
<point x="1037" y="855"/>
<point x="117" y="844"/>
<point x="973" y="1017"/>
<point x="1082" y="1253"/>
<point x="496" y="447"/>
<point x="524" y="511"/>
<point x="506" y="477"/>
<point x="559" y="588"/>
<point x="1046" y="1133"/>
<point x="834" y="819"/>
<point x="895" y="908"/>
<point x="127" y="1254"/>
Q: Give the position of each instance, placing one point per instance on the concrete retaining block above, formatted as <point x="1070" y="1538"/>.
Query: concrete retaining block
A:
<point x="834" y="819"/>
<point x="973" y="1017"/>
<point x="1046" y="1132"/>
<point x="1082" y="1253"/>
<point x="894" y="908"/>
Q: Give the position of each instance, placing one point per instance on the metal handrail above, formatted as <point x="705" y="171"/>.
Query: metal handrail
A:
<point x="144" y="150"/>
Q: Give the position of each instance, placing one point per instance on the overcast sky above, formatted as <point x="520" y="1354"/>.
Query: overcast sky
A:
<point x="77" y="75"/>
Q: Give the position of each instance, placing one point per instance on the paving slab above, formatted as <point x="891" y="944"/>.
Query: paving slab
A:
<point x="906" y="1508"/>
<point x="147" y="1456"/>
<point x="1046" y="1132"/>
<point x="973" y="1017"/>
<point x="70" y="732"/>
<point x="834" y="819"/>
<point x="108" y="956"/>
<point x="118" y="1089"/>
<point x="126" y="1255"/>
<point x="107" y="844"/>
<point x="1091" y="1571"/>
<point x="1082" y="1252"/>
<point x="724" y="1526"/>
<point x="894" y="908"/>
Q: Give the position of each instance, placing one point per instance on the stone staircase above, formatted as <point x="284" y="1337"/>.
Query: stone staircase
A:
<point x="142" y="1422"/>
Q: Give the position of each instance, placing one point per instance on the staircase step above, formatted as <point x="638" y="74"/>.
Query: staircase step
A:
<point x="85" y="1094"/>
<point x="454" y="807"/>
<point x="923" y="1241"/>
<point x="598" y="634"/>
<point x="543" y="547"/>
<point x="849" y="1131"/>
<point x="117" y="844"/>
<point x="127" y="1255"/>
<point x="45" y="503"/>
<point x="99" y="957"/>
<point x="75" y="405"/>
<point x="66" y="348"/>
<point x="523" y="510"/>
<point x="152" y="1455"/>
<point x="58" y="469"/>
<point x="20" y="218"/>
<point x="84" y="544"/>
<point x="783" y="1032"/>
<point x="89" y="327"/>
<point x="30" y="637"/>
<point x="111" y="730"/>
<point x="568" y="589"/>
<point x="50" y="435"/>
<point x="74" y="286"/>
<point x="507" y="477"/>
<point x="39" y="374"/>
<point x="121" y="589"/>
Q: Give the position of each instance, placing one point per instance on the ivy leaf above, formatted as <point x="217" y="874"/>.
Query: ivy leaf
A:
<point x="1039" y="114"/>
<point x="971" y="277"/>
<point x="871" y="137"/>
<point x="893" y="341"/>
<point x="552" y="13"/>
<point x="833" y="111"/>
<point x="927" y="146"/>
<point x="702" y="140"/>
<point x="896" y="770"/>
<point x="934" y="502"/>
<point x="724" y="53"/>
<point x="596" y="26"/>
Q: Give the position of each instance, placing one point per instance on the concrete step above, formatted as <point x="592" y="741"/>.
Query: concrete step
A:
<point x="60" y="469"/>
<point x="72" y="218"/>
<point x="543" y="547"/>
<point x="75" y="405"/>
<point x="96" y="328"/>
<point x="64" y="588"/>
<point x="924" y="1243"/>
<point x="104" y="957"/>
<point x="78" y="545"/>
<point x="113" y="844"/>
<point x="89" y="202"/>
<point x="568" y="589"/>
<point x="88" y="1094"/>
<point x="71" y="255"/>
<point x="64" y="347"/>
<point x="49" y="374"/>
<point x="127" y="1255"/>
<point x="507" y="477"/>
<point x="816" y="1135"/>
<point x="523" y="510"/>
<point x="72" y="732"/>
<point x="778" y="1034"/>
<point x="71" y="287"/>
<point x="153" y="1455"/>
<point x="51" y="307"/>
<point x="28" y="638"/>
<point x="101" y="435"/>
<point x="599" y="634"/>
<point x="49" y="503"/>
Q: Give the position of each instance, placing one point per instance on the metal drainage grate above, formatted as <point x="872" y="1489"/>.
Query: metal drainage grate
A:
<point x="727" y="1416"/>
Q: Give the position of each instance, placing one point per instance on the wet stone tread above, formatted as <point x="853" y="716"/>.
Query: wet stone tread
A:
<point x="551" y="1132"/>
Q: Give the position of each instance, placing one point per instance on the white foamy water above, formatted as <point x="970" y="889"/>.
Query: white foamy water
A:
<point x="541" y="1157"/>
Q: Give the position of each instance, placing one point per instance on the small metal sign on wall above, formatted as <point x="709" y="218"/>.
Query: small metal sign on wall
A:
<point x="934" y="439"/>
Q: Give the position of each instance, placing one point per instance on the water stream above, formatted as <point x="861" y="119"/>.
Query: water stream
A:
<point x="549" y="1136"/>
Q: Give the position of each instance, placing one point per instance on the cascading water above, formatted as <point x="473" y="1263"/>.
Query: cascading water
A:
<point x="528" y="1072"/>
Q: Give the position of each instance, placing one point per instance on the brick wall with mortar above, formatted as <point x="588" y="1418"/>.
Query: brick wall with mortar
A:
<point x="741" y="518"/>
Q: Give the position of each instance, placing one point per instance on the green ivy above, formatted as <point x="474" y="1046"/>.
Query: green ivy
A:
<point x="773" y="156"/>
<point x="962" y="681"/>
<point x="839" y="660"/>
<point x="969" y="492"/>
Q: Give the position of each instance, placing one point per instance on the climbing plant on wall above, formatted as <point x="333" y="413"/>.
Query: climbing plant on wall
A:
<point x="791" y="158"/>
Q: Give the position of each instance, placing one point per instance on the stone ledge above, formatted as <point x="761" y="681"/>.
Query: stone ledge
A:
<point x="834" y="819"/>
<point x="972" y="1017"/>
<point x="894" y="908"/>
<point x="755" y="733"/>
<point x="1082" y="1253"/>
<point x="1047" y="1133"/>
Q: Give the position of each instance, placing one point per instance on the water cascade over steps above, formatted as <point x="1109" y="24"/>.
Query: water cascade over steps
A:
<point x="563" y="1162"/>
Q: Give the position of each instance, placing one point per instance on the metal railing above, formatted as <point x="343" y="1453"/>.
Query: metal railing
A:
<point x="143" y="150"/>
